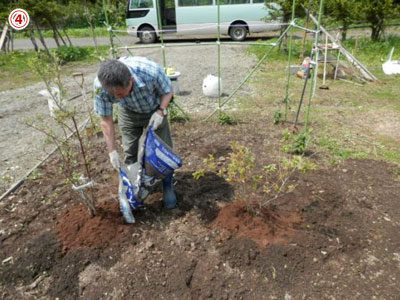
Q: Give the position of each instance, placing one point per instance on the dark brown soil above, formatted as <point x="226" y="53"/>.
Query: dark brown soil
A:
<point x="76" y="229"/>
<point x="336" y="236"/>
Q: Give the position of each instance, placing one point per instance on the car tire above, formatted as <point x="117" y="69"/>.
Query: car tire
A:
<point x="147" y="35"/>
<point x="238" y="32"/>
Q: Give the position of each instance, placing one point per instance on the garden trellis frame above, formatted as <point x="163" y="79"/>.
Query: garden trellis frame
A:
<point x="218" y="43"/>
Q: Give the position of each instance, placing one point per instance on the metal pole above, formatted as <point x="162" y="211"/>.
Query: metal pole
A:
<point x="161" y="34"/>
<point x="315" y="69"/>
<point x="197" y="44"/>
<point x="286" y="100"/>
<point x="219" y="54"/>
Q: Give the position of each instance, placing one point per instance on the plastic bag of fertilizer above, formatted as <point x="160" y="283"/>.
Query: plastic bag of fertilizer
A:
<point x="210" y="86"/>
<point x="127" y="197"/>
<point x="159" y="159"/>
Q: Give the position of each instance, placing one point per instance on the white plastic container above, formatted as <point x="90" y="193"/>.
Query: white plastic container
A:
<point x="53" y="100"/>
<point x="210" y="86"/>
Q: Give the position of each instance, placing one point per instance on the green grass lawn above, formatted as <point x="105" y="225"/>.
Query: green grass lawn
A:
<point x="74" y="32"/>
<point x="15" y="71"/>
<point x="348" y="120"/>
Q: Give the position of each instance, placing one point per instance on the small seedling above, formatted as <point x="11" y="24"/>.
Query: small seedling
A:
<point x="295" y="143"/>
<point x="225" y="119"/>
<point x="277" y="117"/>
<point x="175" y="116"/>
<point x="198" y="174"/>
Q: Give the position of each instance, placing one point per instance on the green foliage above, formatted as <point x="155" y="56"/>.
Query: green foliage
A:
<point x="71" y="53"/>
<point x="43" y="12"/>
<point x="368" y="50"/>
<point x="283" y="8"/>
<point x="277" y="117"/>
<point x="299" y="163"/>
<point x="337" y="151"/>
<point x="62" y="129"/>
<point x="175" y="116"/>
<point x="73" y="32"/>
<point x="36" y="174"/>
<point x="295" y="143"/>
<point x="343" y="12"/>
<point x="225" y="119"/>
<point x="17" y="64"/>
<point x="376" y="13"/>
<point x="209" y="164"/>
<point x="77" y="13"/>
<point x="198" y="174"/>
<point x="242" y="169"/>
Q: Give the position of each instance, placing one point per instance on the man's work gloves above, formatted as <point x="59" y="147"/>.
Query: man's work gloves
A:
<point x="114" y="159"/>
<point x="156" y="120"/>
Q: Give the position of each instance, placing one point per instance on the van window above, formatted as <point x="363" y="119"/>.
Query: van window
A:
<point x="225" y="2"/>
<point x="195" y="2"/>
<point x="141" y="4"/>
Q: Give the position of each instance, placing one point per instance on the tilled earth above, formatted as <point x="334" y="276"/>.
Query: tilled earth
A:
<point x="334" y="237"/>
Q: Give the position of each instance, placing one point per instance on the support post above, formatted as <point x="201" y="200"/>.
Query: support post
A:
<point x="286" y="100"/>
<point x="161" y="31"/>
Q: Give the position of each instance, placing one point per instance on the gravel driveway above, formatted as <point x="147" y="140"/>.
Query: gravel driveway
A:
<point x="22" y="147"/>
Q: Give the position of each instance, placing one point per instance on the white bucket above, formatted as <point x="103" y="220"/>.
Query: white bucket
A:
<point x="210" y="86"/>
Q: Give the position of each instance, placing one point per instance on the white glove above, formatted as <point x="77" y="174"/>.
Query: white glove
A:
<point x="156" y="120"/>
<point x="114" y="159"/>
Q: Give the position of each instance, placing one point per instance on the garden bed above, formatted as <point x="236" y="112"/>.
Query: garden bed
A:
<point x="335" y="235"/>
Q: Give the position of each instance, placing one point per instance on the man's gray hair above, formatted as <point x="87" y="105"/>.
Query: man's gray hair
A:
<point x="113" y="73"/>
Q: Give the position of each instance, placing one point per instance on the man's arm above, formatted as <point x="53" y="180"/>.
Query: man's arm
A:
<point x="164" y="101"/>
<point x="107" y="125"/>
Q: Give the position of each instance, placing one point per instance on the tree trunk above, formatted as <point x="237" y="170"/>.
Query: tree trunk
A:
<point x="377" y="29"/>
<point x="55" y="37"/>
<point x="12" y="40"/>
<point x="42" y="40"/>
<point x="58" y="32"/>
<point x="344" y="29"/>
<point x="66" y="34"/>
<point x="33" y="40"/>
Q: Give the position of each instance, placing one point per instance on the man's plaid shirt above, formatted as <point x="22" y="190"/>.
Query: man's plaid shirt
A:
<point x="150" y="82"/>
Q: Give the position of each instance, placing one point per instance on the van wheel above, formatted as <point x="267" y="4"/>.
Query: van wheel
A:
<point x="238" y="32"/>
<point x="147" y="35"/>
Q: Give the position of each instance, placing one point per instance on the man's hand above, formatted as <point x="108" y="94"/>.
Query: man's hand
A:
<point x="114" y="159"/>
<point x="156" y="119"/>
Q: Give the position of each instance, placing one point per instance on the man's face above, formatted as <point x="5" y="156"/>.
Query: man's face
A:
<point x="121" y="92"/>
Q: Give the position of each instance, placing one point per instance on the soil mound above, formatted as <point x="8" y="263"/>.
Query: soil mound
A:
<point x="268" y="227"/>
<point x="76" y="229"/>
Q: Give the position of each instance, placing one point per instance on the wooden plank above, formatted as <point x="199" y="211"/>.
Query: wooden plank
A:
<point x="3" y="35"/>
<point x="364" y="71"/>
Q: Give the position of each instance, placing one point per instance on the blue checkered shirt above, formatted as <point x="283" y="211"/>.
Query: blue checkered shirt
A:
<point x="150" y="82"/>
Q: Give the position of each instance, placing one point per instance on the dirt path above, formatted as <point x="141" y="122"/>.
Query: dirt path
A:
<point x="22" y="147"/>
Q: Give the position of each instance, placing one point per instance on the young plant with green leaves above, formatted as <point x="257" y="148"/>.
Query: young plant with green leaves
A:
<point x="243" y="171"/>
<point x="295" y="142"/>
<point x="63" y="131"/>
<point x="225" y="119"/>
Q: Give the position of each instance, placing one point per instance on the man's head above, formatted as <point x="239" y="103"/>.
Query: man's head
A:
<point x="115" y="77"/>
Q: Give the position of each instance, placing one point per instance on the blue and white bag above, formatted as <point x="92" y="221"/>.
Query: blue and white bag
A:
<point x="127" y="197"/>
<point x="159" y="159"/>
